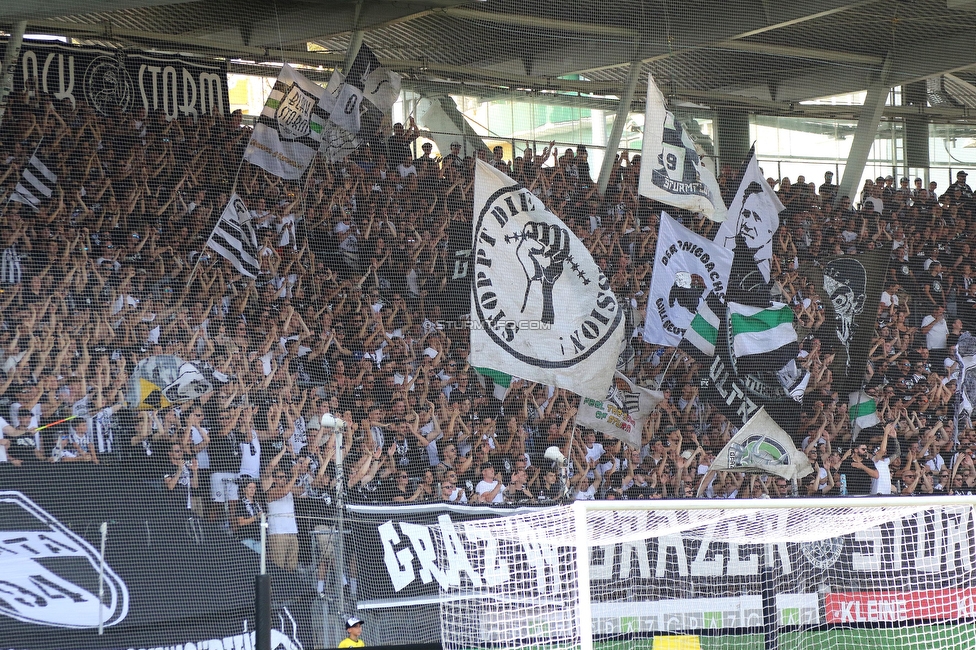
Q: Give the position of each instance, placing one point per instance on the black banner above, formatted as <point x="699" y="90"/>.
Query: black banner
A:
<point x="396" y="557"/>
<point x="412" y="555"/>
<point x="108" y="79"/>
<point x="851" y="288"/>
<point x="456" y="296"/>
<point x="740" y="392"/>
<point x="168" y="578"/>
<point x="739" y="397"/>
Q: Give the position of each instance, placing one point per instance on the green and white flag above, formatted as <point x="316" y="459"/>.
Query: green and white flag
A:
<point x="863" y="411"/>
<point x="289" y="129"/>
<point x="702" y="334"/>
<point x="763" y="338"/>
<point x="500" y="382"/>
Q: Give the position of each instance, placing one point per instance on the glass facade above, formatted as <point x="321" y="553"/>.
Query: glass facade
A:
<point x="787" y="146"/>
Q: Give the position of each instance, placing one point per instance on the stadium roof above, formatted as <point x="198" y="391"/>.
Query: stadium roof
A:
<point x="759" y="54"/>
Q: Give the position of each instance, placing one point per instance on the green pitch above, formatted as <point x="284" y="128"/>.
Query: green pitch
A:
<point x="921" y="637"/>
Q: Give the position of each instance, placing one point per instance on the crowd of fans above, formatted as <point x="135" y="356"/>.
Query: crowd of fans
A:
<point x="350" y="325"/>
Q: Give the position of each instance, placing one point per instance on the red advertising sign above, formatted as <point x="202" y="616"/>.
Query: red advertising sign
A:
<point x="875" y="606"/>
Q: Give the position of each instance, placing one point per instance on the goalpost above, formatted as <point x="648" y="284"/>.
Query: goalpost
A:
<point x="714" y="574"/>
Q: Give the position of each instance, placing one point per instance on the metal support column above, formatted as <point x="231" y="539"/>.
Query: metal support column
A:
<point x="623" y="110"/>
<point x="10" y="58"/>
<point x="866" y="133"/>
<point x="354" y="44"/>
<point x="356" y="41"/>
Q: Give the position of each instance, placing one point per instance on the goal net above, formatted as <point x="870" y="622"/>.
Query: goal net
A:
<point x="715" y="575"/>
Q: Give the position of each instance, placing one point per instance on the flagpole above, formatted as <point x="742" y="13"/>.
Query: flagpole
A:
<point x="667" y="367"/>
<point x="569" y="451"/>
<point x="304" y="205"/>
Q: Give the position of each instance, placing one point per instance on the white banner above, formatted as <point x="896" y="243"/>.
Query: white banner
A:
<point x="687" y="267"/>
<point x="621" y="413"/>
<point x="541" y="309"/>
<point x="345" y="113"/>
<point x="671" y="169"/>
<point x="382" y="88"/>
<point x="755" y="215"/>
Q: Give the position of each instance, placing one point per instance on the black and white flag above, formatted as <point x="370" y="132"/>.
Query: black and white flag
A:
<point x="671" y="170"/>
<point x="966" y="383"/>
<point x="541" y="309"/>
<point x="853" y="284"/>
<point x="234" y="238"/>
<point x="290" y="127"/>
<point x="361" y="98"/>
<point x="755" y="215"/>
<point x="687" y="268"/>
<point x="37" y="183"/>
<point x="762" y="447"/>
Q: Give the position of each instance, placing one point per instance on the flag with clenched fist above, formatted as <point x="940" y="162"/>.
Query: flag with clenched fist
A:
<point x="541" y="309"/>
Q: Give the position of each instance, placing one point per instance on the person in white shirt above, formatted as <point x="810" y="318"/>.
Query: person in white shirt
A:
<point x="882" y="461"/>
<point x="197" y="437"/>
<point x="407" y="167"/>
<point x="935" y="329"/>
<point x="594" y="450"/>
<point x="489" y="489"/>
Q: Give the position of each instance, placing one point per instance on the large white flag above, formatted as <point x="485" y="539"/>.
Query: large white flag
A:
<point x="671" y="169"/>
<point x="541" y="309"/>
<point x="234" y="238"/>
<point x="337" y="142"/>
<point x="289" y="129"/>
<point x="345" y="113"/>
<point x="621" y="413"/>
<point x="754" y="214"/>
<point x="762" y="447"/>
<point x="687" y="267"/>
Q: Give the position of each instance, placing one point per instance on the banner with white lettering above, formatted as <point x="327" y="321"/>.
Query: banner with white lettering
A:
<point x="124" y="80"/>
<point x="399" y="538"/>
<point x="431" y="553"/>
<point x="687" y="267"/>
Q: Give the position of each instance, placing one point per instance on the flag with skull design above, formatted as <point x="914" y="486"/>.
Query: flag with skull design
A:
<point x="851" y="294"/>
<point x="541" y="308"/>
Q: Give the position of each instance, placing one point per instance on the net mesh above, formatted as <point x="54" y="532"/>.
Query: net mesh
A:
<point x="717" y="579"/>
<point x="234" y="289"/>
